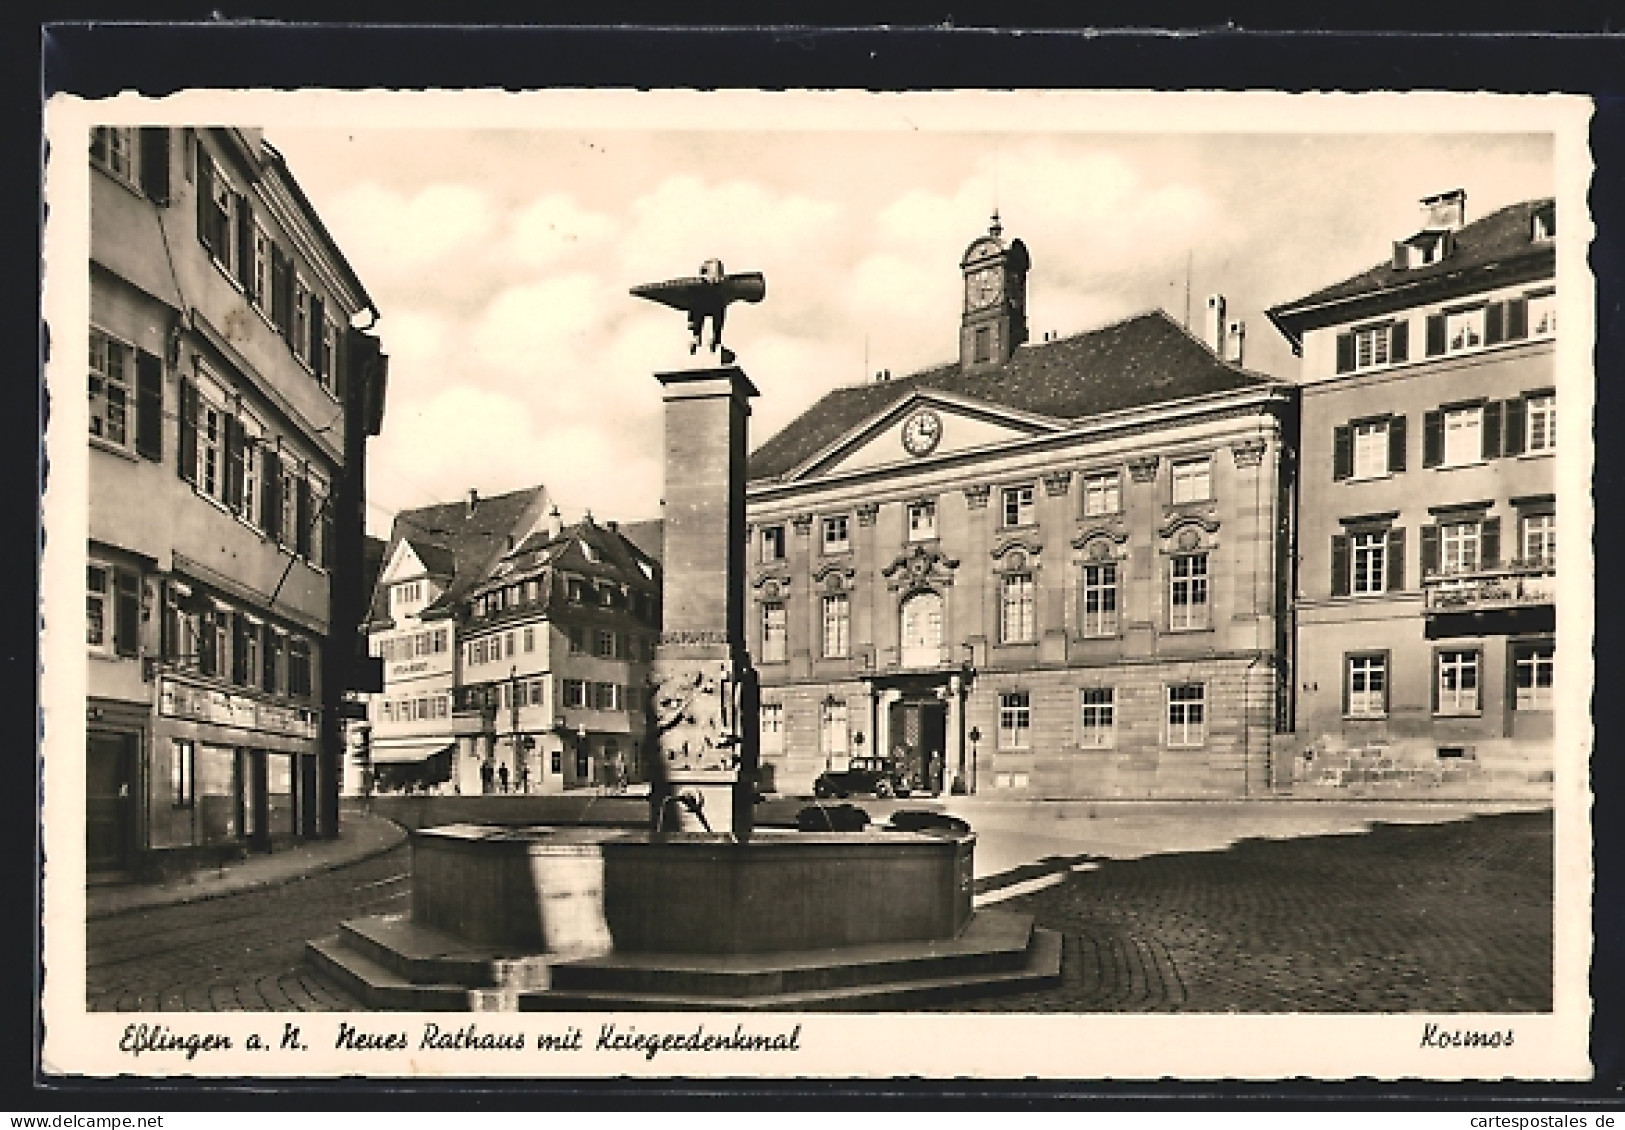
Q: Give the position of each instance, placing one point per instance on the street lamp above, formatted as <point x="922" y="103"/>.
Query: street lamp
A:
<point x="975" y="736"/>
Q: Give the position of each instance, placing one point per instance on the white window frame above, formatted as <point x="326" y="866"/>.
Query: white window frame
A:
<point x="1534" y="672"/>
<point x="106" y="377"/>
<point x="225" y="201"/>
<point x="1018" y="506"/>
<point x="261" y="272"/>
<point x="1460" y="547"/>
<point x="772" y="544"/>
<point x="1367" y="677"/>
<point x="1188" y="578"/>
<point x="1192" y="480"/>
<point x="1018" y="618"/>
<point x="1543" y="314"/>
<point x="1461" y="667"/>
<point x="330" y="351"/>
<point x="1540" y="422"/>
<point x="253" y="436"/>
<point x="837" y="619"/>
<point x="1463" y="329"/>
<point x="1099" y="589"/>
<point x="1370" y="441"/>
<point x="922" y="521"/>
<point x="101" y="607"/>
<point x="834" y="731"/>
<point x="1102" y="494"/>
<point x="1097" y="717"/>
<point x="302" y="295"/>
<point x="1186" y="714"/>
<point x="1537" y="538"/>
<point x="772" y="727"/>
<point x="1463" y="436"/>
<point x="1015" y="720"/>
<point x="1371" y="346"/>
<point x="1368" y="562"/>
<point x="211" y="446"/>
<point x="837" y="534"/>
<point x="775" y="632"/>
<point x="114" y="149"/>
<point x="919" y="626"/>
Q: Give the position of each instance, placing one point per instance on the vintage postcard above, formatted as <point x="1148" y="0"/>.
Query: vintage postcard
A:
<point x="965" y="585"/>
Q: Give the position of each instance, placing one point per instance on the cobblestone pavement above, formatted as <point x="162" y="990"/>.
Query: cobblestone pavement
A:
<point x="1448" y="917"/>
<point x="1407" y="918"/>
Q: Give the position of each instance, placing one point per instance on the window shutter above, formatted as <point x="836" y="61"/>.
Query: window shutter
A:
<point x="1396" y="444"/>
<point x="301" y="517"/>
<point x="186" y="462"/>
<point x="326" y="560"/>
<point x="1348" y="679"/>
<point x="1495" y="323"/>
<point x="245" y="244"/>
<point x="205" y="195"/>
<point x="1387" y="678"/>
<point x="1435" y="332"/>
<point x="318" y="322"/>
<point x="1430" y="550"/>
<point x="155" y="163"/>
<point x="271" y="508"/>
<point x="1342" y="452"/>
<point x="1490" y="432"/>
<point x="290" y="295"/>
<point x="239" y="651"/>
<point x="1489" y="540"/>
<point x="1396" y="559"/>
<point x="1517" y="319"/>
<point x="1434" y="694"/>
<point x="1345" y="353"/>
<point x="341" y="354"/>
<point x="1399" y="342"/>
<point x="127" y="614"/>
<point x="234" y="464"/>
<point x="1340" y="564"/>
<point x="268" y="661"/>
<point x="1433" y="438"/>
<point x="1514" y="426"/>
<point x="149" y="406"/>
<point x="281" y="290"/>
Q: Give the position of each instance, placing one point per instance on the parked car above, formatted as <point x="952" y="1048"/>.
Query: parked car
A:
<point x="862" y="775"/>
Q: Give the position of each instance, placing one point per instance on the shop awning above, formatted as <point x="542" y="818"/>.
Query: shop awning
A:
<point x="406" y="753"/>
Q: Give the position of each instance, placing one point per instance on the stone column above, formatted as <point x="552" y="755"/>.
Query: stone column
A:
<point x="705" y="693"/>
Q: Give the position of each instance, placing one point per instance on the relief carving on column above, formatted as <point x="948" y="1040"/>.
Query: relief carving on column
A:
<point x="1143" y="468"/>
<point x="693" y="708"/>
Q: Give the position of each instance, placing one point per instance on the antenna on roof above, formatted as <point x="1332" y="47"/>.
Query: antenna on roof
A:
<point x="1188" y="256"/>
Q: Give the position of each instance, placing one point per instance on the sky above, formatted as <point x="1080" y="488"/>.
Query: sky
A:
<point x="501" y="260"/>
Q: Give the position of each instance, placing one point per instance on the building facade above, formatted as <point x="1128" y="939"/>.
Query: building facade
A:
<point x="435" y="555"/>
<point x="229" y="404"/>
<point x="1052" y="569"/>
<point x="554" y="646"/>
<point x="1427" y="533"/>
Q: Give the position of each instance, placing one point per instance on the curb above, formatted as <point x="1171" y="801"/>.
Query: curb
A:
<point x="186" y="898"/>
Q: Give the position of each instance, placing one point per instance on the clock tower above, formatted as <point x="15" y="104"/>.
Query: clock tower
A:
<point x="994" y="318"/>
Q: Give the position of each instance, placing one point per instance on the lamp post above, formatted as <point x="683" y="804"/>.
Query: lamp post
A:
<point x="829" y="752"/>
<point x="975" y="736"/>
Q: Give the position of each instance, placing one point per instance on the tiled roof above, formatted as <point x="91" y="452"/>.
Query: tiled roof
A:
<point x="372" y="560"/>
<point x="649" y="536"/>
<point x="1143" y="360"/>
<point x="452" y="542"/>
<point x="614" y="557"/>
<point x="1502" y="235"/>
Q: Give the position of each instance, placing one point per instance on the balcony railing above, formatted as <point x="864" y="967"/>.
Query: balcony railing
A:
<point x="1515" y="585"/>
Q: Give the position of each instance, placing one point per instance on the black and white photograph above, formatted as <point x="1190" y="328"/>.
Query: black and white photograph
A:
<point x="675" y="583"/>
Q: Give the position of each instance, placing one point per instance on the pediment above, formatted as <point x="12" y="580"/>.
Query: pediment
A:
<point x="895" y="436"/>
<point x="404" y="564"/>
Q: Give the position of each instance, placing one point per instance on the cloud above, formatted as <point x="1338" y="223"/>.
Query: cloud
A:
<point x="379" y="225"/>
<point x="553" y="228"/>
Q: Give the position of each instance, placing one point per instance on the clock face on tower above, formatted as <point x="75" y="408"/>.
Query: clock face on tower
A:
<point x="921" y="432"/>
<point x="984" y="288"/>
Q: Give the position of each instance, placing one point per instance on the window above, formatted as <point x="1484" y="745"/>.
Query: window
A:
<point x="1370" y="449"/>
<point x="259" y="275"/>
<point x="1367" y="690"/>
<point x="575" y="692"/>
<point x="1100" y="599"/>
<point x="1015" y="720"/>
<point x="301" y="319"/>
<point x="1463" y="435"/>
<point x="772" y="727"/>
<point x="327" y="363"/>
<point x="299" y="681"/>
<point x="182" y="772"/>
<point x="1540" y="422"/>
<point x="835" y="535"/>
<point x="1187" y="714"/>
<point x="1102" y="494"/>
<point x="530" y="639"/>
<point x="112" y="369"/>
<point x="922" y="521"/>
<point x="772" y="543"/>
<point x="112" y="610"/>
<point x="1370" y="553"/>
<point x="577" y="637"/>
<point x="271" y="674"/>
<point x="1187" y="595"/>
<point x="250" y="436"/>
<point x="1464" y="329"/>
<point x="604" y="644"/>
<point x="1543" y="224"/>
<point x="1018" y="506"/>
<point x="1456" y="690"/>
<point x="217" y="212"/>
<point x="832" y="728"/>
<point x="1016" y="608"/>
<point x="606" y="696"/>
<point x="97" y="619"/>
<point x="774" y="625"/>
<point x="1193" y="480"/>
<point x="576" y="590"/>
<point x="922" y="630"/>
<point x="983" y="343"/>
<point x="837" y="626"/>
<point x="1459" y="546"/>
<point x="1370" y="347"/>
<point x="1539" y="539"/>
<point x="1533" y="668"/>
<point x="1099" y="721"/>
<point x="1542" y="314"/>
<point x="113" y="147"/>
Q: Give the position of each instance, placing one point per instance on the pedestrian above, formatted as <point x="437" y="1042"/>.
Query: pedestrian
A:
<point x="487" y="776"/>
<point x="935" y="772"/>
<point x="502" y="777"/>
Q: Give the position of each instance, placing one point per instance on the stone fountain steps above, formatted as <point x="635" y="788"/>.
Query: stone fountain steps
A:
<point x="390" y="962"/>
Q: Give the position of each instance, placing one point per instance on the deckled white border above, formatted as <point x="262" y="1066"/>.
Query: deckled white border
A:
<point x="1184" y="1046"/>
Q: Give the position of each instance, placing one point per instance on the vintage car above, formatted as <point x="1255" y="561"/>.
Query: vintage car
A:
<point x="875" y="775"/>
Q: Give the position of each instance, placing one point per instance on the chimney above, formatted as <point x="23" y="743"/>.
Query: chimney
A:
<point x="555" y="523"/>
<point x="472" y="503"/>
<point x="614" y="526"/>
<point x="508" y="540"/>
<point x="1213" y="324"/>
<point x="1234" y="336"/>
<point x="1446" y="211"/>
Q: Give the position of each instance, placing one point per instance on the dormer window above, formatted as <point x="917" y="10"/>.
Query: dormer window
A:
<point x="588" y="552"/>
<point x="1543" y="224"/>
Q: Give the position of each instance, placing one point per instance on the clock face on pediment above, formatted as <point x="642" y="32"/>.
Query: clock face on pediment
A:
<point x="984" y="288"/>
<point x="922" y="432"/>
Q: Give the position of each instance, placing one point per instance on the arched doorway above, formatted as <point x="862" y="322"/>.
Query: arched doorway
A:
<point x="922" y="629"/>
